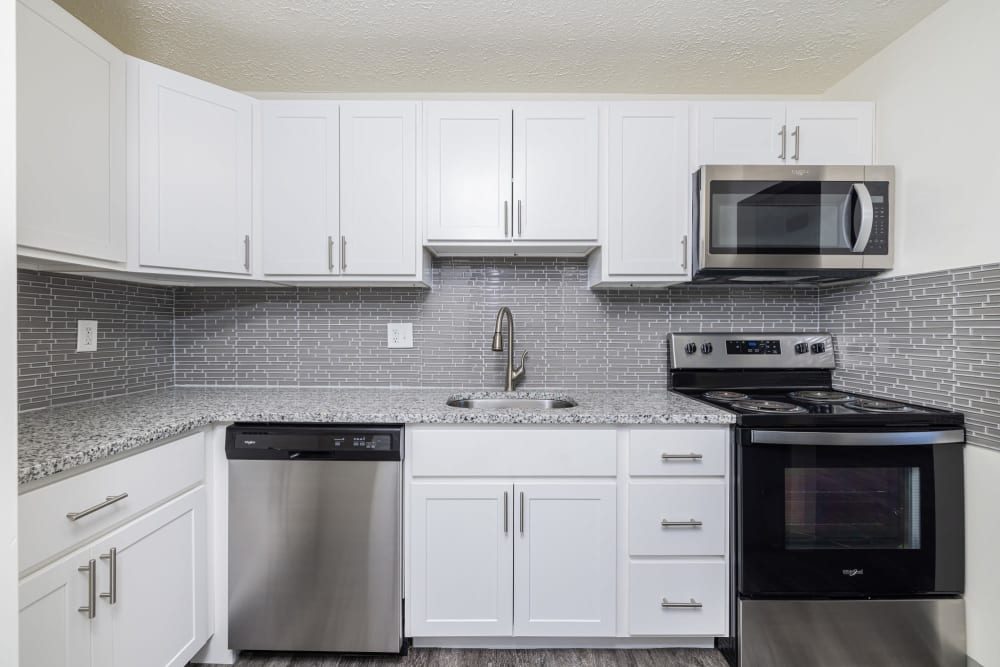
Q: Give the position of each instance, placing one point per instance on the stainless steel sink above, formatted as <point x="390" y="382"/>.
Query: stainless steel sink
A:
<point x="521" y="403"/>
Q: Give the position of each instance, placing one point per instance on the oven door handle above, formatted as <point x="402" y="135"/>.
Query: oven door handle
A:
<point x="867" y="217"/>
<point x="865" y="439"/>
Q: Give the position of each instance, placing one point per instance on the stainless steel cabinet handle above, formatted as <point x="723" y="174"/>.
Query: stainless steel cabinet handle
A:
<point x="343" y="253"/>
<point x="681" y="457"/>
<point x="505" y="508"/>
<point x="693" y="604"/>
<point x="784" y="142"/>
<point x="684" y="252"/>
<point x="519" y="217"/>
<point x="522" y="512"/>
<point x="110" y="500"/>
<point x="797" y="133"/>
<point x="692" y="523"/>
<point x="329" y="252"/>
<point x="91" y="569"/>
<point x="246" y="252"/>
<point x="506" y="219"/>
<point x="112" y="557"/>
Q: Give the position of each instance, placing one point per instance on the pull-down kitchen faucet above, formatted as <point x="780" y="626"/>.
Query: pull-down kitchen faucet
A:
<point x="513" y="374"/>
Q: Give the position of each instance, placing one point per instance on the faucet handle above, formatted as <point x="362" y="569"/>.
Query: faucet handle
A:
<point x="519" y="371"/>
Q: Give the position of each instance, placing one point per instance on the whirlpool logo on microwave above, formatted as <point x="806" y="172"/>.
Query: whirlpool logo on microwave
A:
<point x="853" y="573"/>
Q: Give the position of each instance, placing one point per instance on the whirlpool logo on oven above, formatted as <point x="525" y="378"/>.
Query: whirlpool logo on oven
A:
<point x="853" y="573"/>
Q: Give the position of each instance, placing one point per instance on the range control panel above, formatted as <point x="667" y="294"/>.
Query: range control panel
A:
<point x="714" y="350"/>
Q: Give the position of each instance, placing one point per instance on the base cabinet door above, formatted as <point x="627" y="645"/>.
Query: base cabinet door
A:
<point x="153" y="606"/>
<point x="52" y="630"/>
<point x="564" y="568"/>
<point x="461" y="560"/>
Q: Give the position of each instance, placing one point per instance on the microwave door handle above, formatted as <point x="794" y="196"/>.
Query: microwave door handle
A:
<point x="867" y="217"/>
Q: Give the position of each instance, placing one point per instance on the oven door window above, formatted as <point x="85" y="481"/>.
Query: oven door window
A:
<point x="852" y="508"/>
<point x="839" y="520"/>
<point x="782" y="217"/>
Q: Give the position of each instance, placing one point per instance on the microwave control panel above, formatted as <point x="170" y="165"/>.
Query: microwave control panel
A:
<point x="878" y="242"/>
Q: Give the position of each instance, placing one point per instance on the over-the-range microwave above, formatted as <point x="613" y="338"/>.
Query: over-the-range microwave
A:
<point x="791" y="224"/>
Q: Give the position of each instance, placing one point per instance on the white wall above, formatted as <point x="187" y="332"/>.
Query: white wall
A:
<point x="937" y="93"/>
<point x="8" y="345"/>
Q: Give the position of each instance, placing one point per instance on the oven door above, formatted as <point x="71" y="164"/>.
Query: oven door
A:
<point x="770" y="218"/>
<point x="850" y="514"/>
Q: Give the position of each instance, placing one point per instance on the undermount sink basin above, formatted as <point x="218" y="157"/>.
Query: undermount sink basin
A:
<point x="522" y="403"/>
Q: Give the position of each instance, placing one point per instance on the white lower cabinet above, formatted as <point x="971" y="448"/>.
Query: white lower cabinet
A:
<point x="681" y="598"/>
<point x="147" y="604"/>
<point x="497" y="558"/>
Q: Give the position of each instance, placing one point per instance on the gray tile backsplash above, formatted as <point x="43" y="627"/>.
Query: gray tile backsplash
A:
<point x="932" y="338"/>
<point x="135" y="338"/>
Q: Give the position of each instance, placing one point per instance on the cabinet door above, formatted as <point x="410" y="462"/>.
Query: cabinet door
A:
<point x="461" y="560"/>
<point x="378" y="223"/>
<point x="555" y="171"/>
<point x="564" y="565"/>
<point x="468" y="171"/>
<point x="300" y="187"/>
<point x="742" y="133"/>
<point x="51" y="628"/>
<point x="194" y="173"/>
<point x="160" y="614"/>
<point x="70" y="136"/>
<point x="648" y="214"/>
<point x="831" y="132"/>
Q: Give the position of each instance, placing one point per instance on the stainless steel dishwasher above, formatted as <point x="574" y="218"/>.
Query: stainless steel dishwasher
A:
<point x="315" y="537"/>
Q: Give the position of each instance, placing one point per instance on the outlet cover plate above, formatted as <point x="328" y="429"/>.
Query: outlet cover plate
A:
<point x="400" y="334"/>
<point x="86" y="335"/>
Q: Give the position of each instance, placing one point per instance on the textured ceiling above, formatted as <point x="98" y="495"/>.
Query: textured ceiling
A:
<point x="554" y="46"/>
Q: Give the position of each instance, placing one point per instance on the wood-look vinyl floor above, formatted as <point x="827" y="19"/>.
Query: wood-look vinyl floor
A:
<point x="428" y="657"/>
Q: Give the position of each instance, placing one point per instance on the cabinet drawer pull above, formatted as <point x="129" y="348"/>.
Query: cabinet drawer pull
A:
<point x="112" y="557"/>
<point x="681" y="457"/>
<point x="110" y="500"/>
<point x="693" y="604"/>
<point x="91" y="569"/>
<point x="692" y="523"/>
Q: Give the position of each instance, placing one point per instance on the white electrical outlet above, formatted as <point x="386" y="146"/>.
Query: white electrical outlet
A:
<point x="400" y="334"/>
<point x="86" y="335"/>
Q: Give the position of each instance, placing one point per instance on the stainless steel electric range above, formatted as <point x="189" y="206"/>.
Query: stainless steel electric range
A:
<point x="849" y="523"/>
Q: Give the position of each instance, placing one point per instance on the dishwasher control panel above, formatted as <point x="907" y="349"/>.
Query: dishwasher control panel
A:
<point x="311" y="442"/>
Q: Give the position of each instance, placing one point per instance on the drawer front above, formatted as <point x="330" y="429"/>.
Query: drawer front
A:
<point x="678" y="451"/>
<point x="512" y="452"/>
<point x="659" y="515"/>
<point x="655" y="586"/>
<point x="148" y="478"/>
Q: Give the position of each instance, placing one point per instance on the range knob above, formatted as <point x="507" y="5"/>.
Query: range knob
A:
<point x="706" y="348"/>
<point x="818" y="348"/>
<point x="690" y="348"/>
<point x="801" y="348"/>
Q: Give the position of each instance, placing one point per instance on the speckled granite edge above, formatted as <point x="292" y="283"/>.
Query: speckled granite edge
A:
<point x="58" y="439"/>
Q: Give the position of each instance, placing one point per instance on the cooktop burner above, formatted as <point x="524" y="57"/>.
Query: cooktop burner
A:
<point x="769" y="407"/>
<point x="821" y="396"/>
<point x="725" y="396"/>
<point x="878" y="405"/>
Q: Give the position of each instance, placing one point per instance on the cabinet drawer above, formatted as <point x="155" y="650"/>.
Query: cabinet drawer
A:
<point x="651" y="505"/>
<point x="513" y="452"/>
<point x="653" y="586"/>
<point x="148" y="478"/>
<point x="678" y="451"/>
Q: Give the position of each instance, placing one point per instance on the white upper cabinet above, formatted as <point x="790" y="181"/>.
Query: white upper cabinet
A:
<point x="831" y="132"/>
<point x="194" y="142"/>
<point x="70" y="136"/>
<point x="468" y="170"/>
<point x="555" y="171"/>
<point x="785" y="133"/>
<point x="300" y="187"/>
<point x="648" y="190"/>
<point x="378" y="180"/>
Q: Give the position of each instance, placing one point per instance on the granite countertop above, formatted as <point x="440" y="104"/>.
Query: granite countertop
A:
<point x="53" y="440"/>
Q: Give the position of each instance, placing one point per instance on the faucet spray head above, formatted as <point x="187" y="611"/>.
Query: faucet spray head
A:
<point x="497" y="342"/>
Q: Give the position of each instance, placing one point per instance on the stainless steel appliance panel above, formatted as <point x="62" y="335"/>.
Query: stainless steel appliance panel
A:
<point x="859" y="633"/>
<point x="315" y="559"/>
